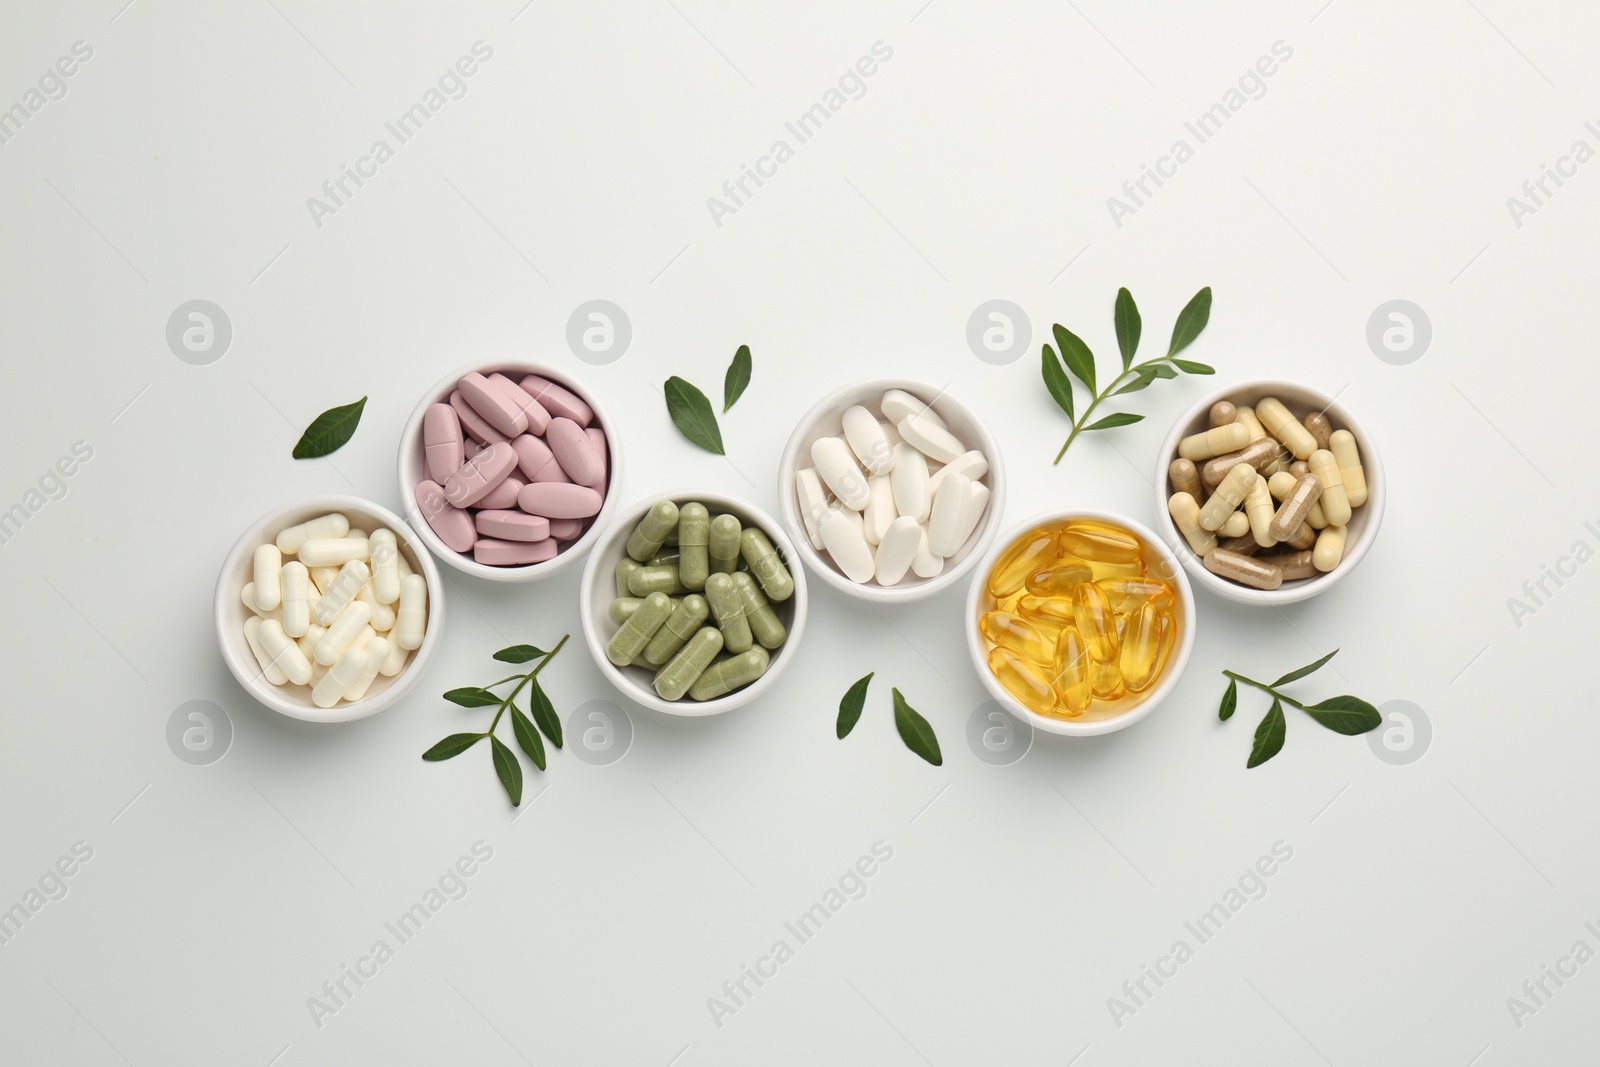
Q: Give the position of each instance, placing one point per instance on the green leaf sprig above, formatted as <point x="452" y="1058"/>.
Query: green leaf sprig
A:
<point x="329" y="431"/>
<point x="1075" y="357"/>
<point x="525" y="729"/>
<point x="737" y="379"/>
<point x="1341" y="714"/>
<point x="692" y="413"/>
<point x="914" y="730"/>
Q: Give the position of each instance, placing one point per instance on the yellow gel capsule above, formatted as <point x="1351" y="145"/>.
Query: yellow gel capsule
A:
<point x="1168" y="631"/>
<point x="1031" y="552"/>
<point x="1022" y="680"/>
<point x="1059" y="580"/>
<point x="1141" y="645"/>
<point x="1046" y="612"/>
<point x="1091" y="612"/>
<point x="1105" y="681"/>
<point x="1128" y="594"/>
<point x="1116" y="570"/>
<point x="1009" y="603"/>
<point x="1072" y="680"/>
<point x="1017" y="634"/>
<point x="1098" y="543"/>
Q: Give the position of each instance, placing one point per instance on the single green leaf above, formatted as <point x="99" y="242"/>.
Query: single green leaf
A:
<point x="850" y="707"/>
<point x="1189" y="366"/>
<point x="737" y="378"/>
<point x="472" y="697"/>
<point x="1269" y="736"/>
<point x="1191" y="320"/>
<point x="692" y="415"/>
<point x="1076" y="354"/>
<point x="1230" y="701"/>
<point x="915" y="731"/>
<point x="1141" y="379"/>
<point x="453" y="745"/>
<point x="1129" y="326"/>
<point x="1346" y="715"/>
<point x="520" y="654"/>
<point x="1056" y="380"/>
<point x="1111" y="422"/>
<point x="544" y="713"/>
<point x="1303" y="671"/>
<point x="1163" y="370"/>
<point x="329" y="431"/>
<point x="509" y="770"/>
<point x="527" y="736"/>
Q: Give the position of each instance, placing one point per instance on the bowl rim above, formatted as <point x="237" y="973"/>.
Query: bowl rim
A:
<point x="410" y="436"/>
<point x="596" y="569"/>
<point x="1176" y="665"/>
<point x="910" y="590"/>
<point x="1305" y="589"/>
<point x="225" y="597"/>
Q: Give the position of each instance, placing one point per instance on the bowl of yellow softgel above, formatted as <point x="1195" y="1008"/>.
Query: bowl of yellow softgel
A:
<point x="1080" y="621"/>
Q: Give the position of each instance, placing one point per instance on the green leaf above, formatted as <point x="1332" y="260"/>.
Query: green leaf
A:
<point x="1303" y="671"/>
<point x="1189" y="366"/>
<point x="1129" y="326"/>
<point x="1056" y="380"/>
<point x="1111" y="422"/>
<point x="1230" y="700"/>
<point x="527" y="736"/>
<point x="1076" y="354"/>
<point x="692" y="415"/>
<point x="1346" y="715"/>
<point x="915" y="731"/>
<point x="473" y="697"/>
<point x="1141" y="379"/>
<point x="453" y="745"/>
<point x="544" y="713"/>
<point x="509" y="770"/>
<point x="850" y="707"/>
<point x="1191" y="320"/>
<point x="1163" y="370"/>
<point x="520" y="654"/>
<point x="737" y="378"/>
<point x="1269" y="736"/>
<point x="329" y="431"/>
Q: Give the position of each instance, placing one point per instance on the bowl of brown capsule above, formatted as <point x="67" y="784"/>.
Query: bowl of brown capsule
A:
<point x="1269" y="492"/>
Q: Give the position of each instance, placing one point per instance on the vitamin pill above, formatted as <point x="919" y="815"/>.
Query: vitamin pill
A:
<point x="517" y="398"/>
<point x="1342" y="443"/>
<point x="578" y="457"/>
<point x="1096" y="621"/>
<point x="1299" y="468"/>
<point x="384" y="549"/>
<point x="1029" y="554"/>
<point x="332" y="686"/>
<point x="625" y="566"/>
<point x="332" y="552"/>
<point x="725" y="543"/>
<point x="1303" y="537"/>
<point x="557" y="400"/>
<point x="909" y="483"/>
<point x="493" y="552"/>
<point x="602" y="449"/>
<point x="1214" y="442"/>
<point x="1293" y="564"/>
<point x="1325" y="556"/>
<point x="534" y="459"/>
<point x="640" y="627"/>
<point x="1235" y="525"/>
<point x="377" y="651"/>
<point x="1246" y="570"/>
<point x="1229" y="495"/>
<point x="382" y="614"/>
<point x="766" y="565"/>
<point x="930" y="438"/>
<point x="651" y="533"/>
<point x="688" y="663"/>
<point x="394" y="661"/>
<point x="647" y="580"/>
<point x="694" y="541"/>
<point x="1285" y="427"/>
<point x="268" y="562"/>
<point x="947" y="518"/>
<point x="1185" y="512"/>
<point x="441" y="441"/>
<point x="493" y="404"/>
<point x="880" y="510"/>
<point x="1185" y="477"/>
<point x="868" y="441"/>
<point x="322" y="579"/>
<point x="898" y="550"/>
<point x="512" y="525"/>
<point x="473" y="479"/>
<point x="727" y="608"/>
<point x="1097" y="542"/>
<point x="925" y="564"/>
<point x="322" y="527"/>
<point x="622" y="607"/>
<point x="295" y="582"/>
<point x="1259" y="511"/>
<point x="1022" y="680"/>
<point x="765" y="626"/>
<point x="1072" y="664"/>
<point x="836" y="466"/>
<point x="897" y="404"/>
<point x="1317" y="424"/>
<point x="1247" y="417"/>
<point x="1223" y="412"/>
<point x="343" y="590"/>
<point x="977" y="505"/>
<point x="813" y="501"/>
<point x="973" y="464"/>
<point x="1292" y="512"/>
<point x="475" y="425"/>
<point x="686" y="619"/>
<point x="1258" y="453"/>
<point x="1141" y="641"/>
<point x="453" y="526"/>
<point x="1335" y="504"/>
<point x="1017" y="634"/>
<point x="1131" y="593"/>
<point x="283" y="652"/>
<point x="735" y="672"/>
<point x="1280" y="485"/>
<point x="307" y="642"/>
<point x="342" y="632"/>
<point x="560" y="500"/>
<point x="1246" y="545"/>
<point x="1057" y="579"/>
<point x="411" y="618"/>
<point x="1105" y="681"/>
<point x="252" y="637"/>
<point x="1048" y="614"/>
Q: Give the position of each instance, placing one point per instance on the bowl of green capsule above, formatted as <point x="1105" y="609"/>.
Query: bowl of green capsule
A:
<point x="693" y="602"/>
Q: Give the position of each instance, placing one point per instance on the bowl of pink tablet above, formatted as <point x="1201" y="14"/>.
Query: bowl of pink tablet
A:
<point x="508" y="470"/>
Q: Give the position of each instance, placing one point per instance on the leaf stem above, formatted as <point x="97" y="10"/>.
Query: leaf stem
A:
<point x="1264" y="686"/>
<point x="1083" y="420"/>
<point x="526" y="678"/>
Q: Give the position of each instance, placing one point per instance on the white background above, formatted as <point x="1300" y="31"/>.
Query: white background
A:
<point x="976" y="166"/>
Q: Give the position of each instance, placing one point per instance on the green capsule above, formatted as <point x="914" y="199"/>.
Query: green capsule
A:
<point x="775" y="579"/>
<point x="685" y="619"/>
<point x="735" y="672"/>
<point x="647" y="580"/>
<point x="685" y="669"/>
<point x="723" y="546"/>
<point x="624" y="606"/>
<point x="667" y="557"/>
<point x="625" y="566"/>
<point x="672" y="538"/>
<point x="694" y="540"/>
<point x="651" y="533"/>
<point x="764" y="622"/>
<point x="640" y="627"/>
<point x="727" y="607"/>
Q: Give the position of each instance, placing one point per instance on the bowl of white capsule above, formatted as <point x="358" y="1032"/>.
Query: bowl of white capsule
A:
<point x="328" y="609"/>
<point x="892" y="489"/>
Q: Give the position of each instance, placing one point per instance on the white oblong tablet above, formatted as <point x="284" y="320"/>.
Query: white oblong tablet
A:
<point x="975" y="509"/>
<point x="930" y="439"/>
<point x="813" y="500"/>
<point x="973" y="464"/>
<point x="897" y="549"/>
<point x="843" y="537"/>
<point x="868" y="441"/>
<point x="913" y="492"/>
<point x="925" y="564"/>
<point x="897" y="404"/>
<point x="880" y="510"/>
<point x="949" y="515"/>
<point x="836" y="466"/>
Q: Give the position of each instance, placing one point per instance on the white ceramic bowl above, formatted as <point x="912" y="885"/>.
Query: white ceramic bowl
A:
<point x="230" y="612"/>
<point x="826" y="420"/>
<point x="413" y="469"/>
<point x="599" y="589"/>
<point x="1364" y="520"/>
<point x="1162" y="563"/>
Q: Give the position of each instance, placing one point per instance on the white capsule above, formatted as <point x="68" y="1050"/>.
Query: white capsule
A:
<point x="385" y="549"/>
<point x="331" y="525"/>
<point x="837" y="468"/>
<point x="322" y="579"/>
<point x="867" y="440"/>
<point x="333" y="685"/>
<point x="897" y="404"/>
<point x="394" y="661"/>
<point x="948" y="516"/>
<point x="342" y="633"/>
<point x="268" y="577"/>
<point x="813" y="501"/>
<point x="897" y="549"/>
<point x="925" y="564"/>
<point x="252" y="637"/>
<point x="846" y="542"/>
<point x="283" y="652"/>
<point x="910" y="482"/>
<point x="879" y="512"/>
<point x="382" y="614"/>
<point x="975" y="509"/>
<point x="930" y="439"/>
<point x="308" y="643"/>
<point x="411" y="621"/>
<point x="377" y="651"/>
<point x="248" y="596"/>
<point x="296" y="582"/>
<point x="333" y="551"/>
<point x="973" y="464"/>
<point x="342" y="590"/>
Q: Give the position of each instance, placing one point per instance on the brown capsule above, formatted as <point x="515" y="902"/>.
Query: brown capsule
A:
<point x="1304" y="536"/>
<point x="1296" y="506"/>
<point x="1243" y="569"/>
<point x="1294" y="565"/>
<point x="1244" y="546"/>
<point x="1184" y="478"/>
<point x="1299" y="468"/>
<point x="1319" y="426"/>
<point x="1223" y="412"/>
<point x="1258" y="453"/>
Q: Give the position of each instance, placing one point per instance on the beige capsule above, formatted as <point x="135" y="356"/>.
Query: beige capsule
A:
<point x="1317" y="424"/>
<point x="1223" y="412"/>
<point x="1285" y="427"/>
<point x="1259" y="453"/>
<point x="1184" y="477"/>
<point x="1245" y="570"/>
<point x="1236" y="525"/>
<point x="1335" y="504"/>
<point x="1330" y="549"/>
<point x="1343" y="446"/>
<point x="1299" y="468"/>
<point x="1296" y="505"/>
<point x="1229" y="495"/>
<point x="1247" y="416"/>
<point x="1294" y="565"/>
<point x="1258" y="511"/>
<point x="1214" y="442"/>
<point x="1185" y="512"/>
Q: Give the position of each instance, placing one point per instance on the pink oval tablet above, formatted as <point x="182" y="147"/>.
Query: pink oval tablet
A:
<point x="503" y="495"/>
<point x="441" y="441"/>
<point x="603" y="450"/>
<point x="493" y="404"/>
<point x="480" y="474"/>
<point x="538" y="418"/>
<point x="453" y="525"/>
<point x="469" y="448"/>
<point x="513" y="553"/>
<point x="512" y="525"/>
<point x="574" y="451"/>
<point x="532" y="454"/>
<point x="559" y="500"/>
<point x="475" y="425"/>
<point x="557" y="401"/>
<point x="550" y="472"/>
<point x="566" y="529"/>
